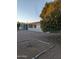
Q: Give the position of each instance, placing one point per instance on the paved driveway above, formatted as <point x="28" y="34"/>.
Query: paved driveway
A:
<point x="30" y="44"/>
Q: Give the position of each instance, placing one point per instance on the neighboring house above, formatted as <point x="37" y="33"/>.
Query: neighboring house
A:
<point x="35" y="26"/>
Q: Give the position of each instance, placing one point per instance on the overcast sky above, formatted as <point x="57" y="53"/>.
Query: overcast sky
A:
<point x="29" y="10"/>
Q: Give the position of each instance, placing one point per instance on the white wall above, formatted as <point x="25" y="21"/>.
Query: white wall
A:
<point x="37" y="29"/>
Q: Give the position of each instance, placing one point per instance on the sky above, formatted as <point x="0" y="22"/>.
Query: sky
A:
<point x="29" y="10"/>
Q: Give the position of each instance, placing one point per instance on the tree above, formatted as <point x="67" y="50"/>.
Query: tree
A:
<point x="18" y="25"/>
<point x="51" y="17"/>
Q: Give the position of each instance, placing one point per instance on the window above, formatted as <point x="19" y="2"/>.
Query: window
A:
<point x="34" y="26"/>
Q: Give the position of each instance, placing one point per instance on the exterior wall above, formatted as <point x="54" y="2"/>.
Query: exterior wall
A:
<point x="31" y="27"/>
<point x="35" y="27"/>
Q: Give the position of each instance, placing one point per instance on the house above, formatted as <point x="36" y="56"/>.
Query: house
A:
<point x="34" y="26"/>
